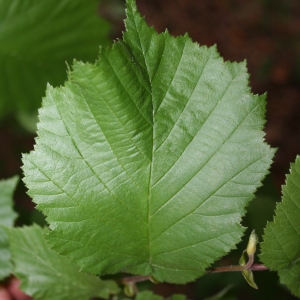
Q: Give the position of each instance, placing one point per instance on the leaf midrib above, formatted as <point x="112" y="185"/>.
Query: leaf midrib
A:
<point x="152" y="142"/>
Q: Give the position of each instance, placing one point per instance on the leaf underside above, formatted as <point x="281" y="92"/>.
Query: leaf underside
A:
<point x="51" y="276"/>
<point x="281" y="246"/>
<point x="7" y="218"/>
<point x="145" y="161"/>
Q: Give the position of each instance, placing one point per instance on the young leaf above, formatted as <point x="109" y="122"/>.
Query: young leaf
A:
<point x="7" y="218"/>
<point x="280" y="249"/>
<point x="46" y="275"/>
<point x="37" y="38"/>
<point x="146" y="160"/>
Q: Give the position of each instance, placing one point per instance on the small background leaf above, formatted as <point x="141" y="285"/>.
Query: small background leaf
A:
<point x="5" y="264"/>
<point x="37" y="38"/>
<point x="280" y="249"/>
<point x="45" y="275"/>
<point x="147" y="295"/>
<point x="7" y="188"/>
<point x="7" y="218"/>
<point x="177" y="297"/>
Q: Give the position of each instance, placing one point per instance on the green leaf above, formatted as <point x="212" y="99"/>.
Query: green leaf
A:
<point x="291" y="278"/>
<point x="177" y="297"/>
<point x="146" y="160"/>
<point x="280" y="249"/>
<point x="7" y="188"/>
<point x="5" y="264"/>
<point x="46" y="275"/>
<point x="7" y="217"/>
<point x="147" y="295"/>
<point x="37" y="38"/>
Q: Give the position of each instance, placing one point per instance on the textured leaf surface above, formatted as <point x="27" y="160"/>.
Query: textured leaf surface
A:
<point x="46" y="275"/>
<point x="36" y="40"/>
<point x="7" y="218"/>
<point x="281" y="246"/>
<point x="145" y="161"/>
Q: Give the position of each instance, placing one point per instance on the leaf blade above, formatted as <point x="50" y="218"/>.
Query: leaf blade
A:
<point x="7" y="218"/>
<point x="280" y="249"/>
<point x="7" y="188"/>
<point x="121" y="163"/>
<point x="51" y="276"/>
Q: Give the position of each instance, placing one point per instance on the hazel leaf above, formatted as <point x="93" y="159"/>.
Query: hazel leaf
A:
<point x="146" y="160"/>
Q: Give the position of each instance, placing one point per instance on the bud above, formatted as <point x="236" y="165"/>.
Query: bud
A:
<point x="248" y="275"/>
<point x="253" y="240"/>
<point x="153" y="280"/>
<point x="129" y="289"/>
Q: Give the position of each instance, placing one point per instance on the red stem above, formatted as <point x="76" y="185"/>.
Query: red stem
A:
<point x="248" y="266"/>
<point x="134" y="279"/>
<point x="255" y="267"/>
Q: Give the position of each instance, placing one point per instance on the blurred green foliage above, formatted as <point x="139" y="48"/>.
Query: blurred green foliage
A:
<point x="37" y="41"/>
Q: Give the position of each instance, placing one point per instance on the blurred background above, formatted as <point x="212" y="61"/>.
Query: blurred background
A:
<point x="264" y="32"/>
